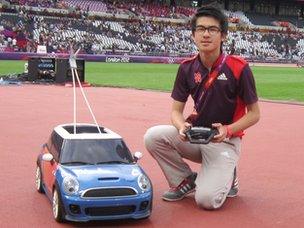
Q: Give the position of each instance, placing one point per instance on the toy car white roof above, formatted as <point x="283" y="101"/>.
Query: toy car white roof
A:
<point x="85" y="131"/>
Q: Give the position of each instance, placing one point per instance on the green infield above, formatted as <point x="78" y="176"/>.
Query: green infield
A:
<point x="134" y="75"/>
<point x="274" y="83"/>
<point x="11" y="67"/>
<point x="280" y="83"/>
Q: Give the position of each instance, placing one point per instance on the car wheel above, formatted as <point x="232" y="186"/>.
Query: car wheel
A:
<point x="58" y="210"/>
<point x="38" y="180"/>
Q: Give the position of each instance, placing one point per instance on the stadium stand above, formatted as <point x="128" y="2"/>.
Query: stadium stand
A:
<point x="143" y="28"/>
<point x="95" y="6"/>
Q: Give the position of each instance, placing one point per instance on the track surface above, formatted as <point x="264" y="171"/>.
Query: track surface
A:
<point x="271" y="168"/>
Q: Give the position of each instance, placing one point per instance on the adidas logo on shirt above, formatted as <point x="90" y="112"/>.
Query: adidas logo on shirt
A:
<point x="222" y="76"/>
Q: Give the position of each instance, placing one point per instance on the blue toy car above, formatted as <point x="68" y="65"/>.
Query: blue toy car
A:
<point x="88" y="173"/>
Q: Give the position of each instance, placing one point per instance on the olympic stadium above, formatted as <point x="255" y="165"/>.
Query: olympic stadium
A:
<point x="128" y="56"/>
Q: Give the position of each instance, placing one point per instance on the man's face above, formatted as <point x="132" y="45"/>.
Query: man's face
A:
<point x="207" y="35"/>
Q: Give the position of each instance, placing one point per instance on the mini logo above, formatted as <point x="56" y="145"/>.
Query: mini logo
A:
<point x="222" y="76"/>
<point x="197" y="77"/>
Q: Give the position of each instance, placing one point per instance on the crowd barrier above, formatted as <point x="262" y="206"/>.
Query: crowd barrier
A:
<point x="125" y="58"/>
<point x="95" y="58"/>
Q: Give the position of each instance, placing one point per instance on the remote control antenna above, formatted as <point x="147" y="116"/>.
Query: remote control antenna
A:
<point x="73" y="66"/>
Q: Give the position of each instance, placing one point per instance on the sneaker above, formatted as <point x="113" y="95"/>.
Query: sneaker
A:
<point x="185" y="187"/>
<point x="234" y="187"/>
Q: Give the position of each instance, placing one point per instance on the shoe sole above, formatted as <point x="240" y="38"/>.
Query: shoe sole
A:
<point x="232" y="196"/>
<point x="235" y="194"/>
<point x="177" y="199"/>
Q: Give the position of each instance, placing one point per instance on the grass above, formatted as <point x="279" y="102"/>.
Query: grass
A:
<point x="135" y="75"/>
<point x="10" y="67"/>
<point x="275" y="83"/>
<point x="280" y="83"/>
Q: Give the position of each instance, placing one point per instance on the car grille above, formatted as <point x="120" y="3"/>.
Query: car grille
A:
<point x="106" y="211"/>
<point x="109" y="192"/>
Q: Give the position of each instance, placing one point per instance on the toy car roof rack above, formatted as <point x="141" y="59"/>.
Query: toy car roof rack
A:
<point x="85" y="129"/>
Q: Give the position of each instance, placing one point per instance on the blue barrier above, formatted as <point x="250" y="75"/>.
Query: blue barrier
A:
<point x="95" y="58"/>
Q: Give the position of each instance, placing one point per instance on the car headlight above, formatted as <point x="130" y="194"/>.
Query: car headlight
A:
<point x="143" y="182"/>
<point x="70" y="185"/>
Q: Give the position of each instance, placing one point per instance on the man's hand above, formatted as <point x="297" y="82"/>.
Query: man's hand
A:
<point x="183" y="129"/>
<point x="222" y="133"/>
<point x="178" y="119"/>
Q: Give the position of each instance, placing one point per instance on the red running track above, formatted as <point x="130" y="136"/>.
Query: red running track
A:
<point x="271" y="168"/>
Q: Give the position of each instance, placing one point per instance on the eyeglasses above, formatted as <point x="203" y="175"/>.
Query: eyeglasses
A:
<point x="212" y="30"/>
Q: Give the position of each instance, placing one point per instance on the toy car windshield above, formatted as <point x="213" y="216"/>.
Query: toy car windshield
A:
<point x="95" y="151"/>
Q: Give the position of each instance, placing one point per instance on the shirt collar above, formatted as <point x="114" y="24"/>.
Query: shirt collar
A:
<point x="218" y="61"/>
<point x="215" y="64"/>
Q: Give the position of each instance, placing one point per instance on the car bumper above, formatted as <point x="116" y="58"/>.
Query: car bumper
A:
<point x="82" y="210"/>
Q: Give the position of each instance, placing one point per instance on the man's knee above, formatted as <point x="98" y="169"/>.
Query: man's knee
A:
<point x="159" y="136"/>
<point x="151" y="136"/>
<point x="209" y="200"/>
<point x="156" y="136"/>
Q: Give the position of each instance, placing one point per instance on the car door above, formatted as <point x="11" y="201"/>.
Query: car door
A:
<point x="50" y="167"/>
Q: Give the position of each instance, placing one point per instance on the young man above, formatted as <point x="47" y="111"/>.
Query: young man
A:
<point x="224" y="94"/>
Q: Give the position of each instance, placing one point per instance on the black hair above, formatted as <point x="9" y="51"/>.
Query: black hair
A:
<point x="210" y="11"/>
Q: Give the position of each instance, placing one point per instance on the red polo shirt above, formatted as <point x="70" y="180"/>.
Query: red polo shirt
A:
<point x="226" y="99"/>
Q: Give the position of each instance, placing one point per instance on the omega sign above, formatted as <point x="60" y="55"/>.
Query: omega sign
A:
<point x="46" y="64"/>
<point x="123" y="59"/>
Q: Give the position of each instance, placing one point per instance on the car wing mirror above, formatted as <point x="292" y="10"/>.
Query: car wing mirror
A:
<point x="137" y="155"/>
<point x="47" y="157"/>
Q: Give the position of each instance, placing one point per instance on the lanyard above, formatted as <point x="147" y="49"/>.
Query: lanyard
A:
<point x="211" y="77"/>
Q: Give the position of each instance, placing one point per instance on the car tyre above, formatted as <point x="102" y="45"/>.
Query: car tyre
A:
<point x="57" y="206"/>
<point x="38" y="180"/>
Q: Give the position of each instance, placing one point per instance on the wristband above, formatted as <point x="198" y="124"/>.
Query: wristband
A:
<point x="228" y="131"/>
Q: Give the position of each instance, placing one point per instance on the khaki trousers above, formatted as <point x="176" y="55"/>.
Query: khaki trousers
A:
<point x="218" y="162"/>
